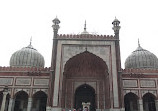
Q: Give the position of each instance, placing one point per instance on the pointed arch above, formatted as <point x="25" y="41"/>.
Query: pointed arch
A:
<point x="149" y="102"/>
<point x="86" y="68"/>
<point x="80" y="84"/>
<point x="85" y="86"/>
<point x="21" y="100"/>
<point x="93" y="65"/>
<point x="131" y="102"/>
<point x="19" y="91"/>
<point x="85" y="93"/>
<point x="39" y="101"/>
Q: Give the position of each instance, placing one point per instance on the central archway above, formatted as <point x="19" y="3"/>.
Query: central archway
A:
<point x="85" y="94"/>
<point x="85" y="68"/>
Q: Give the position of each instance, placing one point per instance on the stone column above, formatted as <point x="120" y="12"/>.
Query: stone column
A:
<point x="156" y="105"/>
<point x="140" y="105"/>
<point x="4" y="101"/>
<point x="29" y="104"/>
<point x="11" y="104"/>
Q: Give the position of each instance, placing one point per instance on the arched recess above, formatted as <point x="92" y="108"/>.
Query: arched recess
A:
<point x="39" y="101"/>
<point x="21" y="101"/>
<point x="149" y="102"/>
<point x="85" y="94"/>
<point x="7" y="100"/>
<point x="131" y="102"/>
<point x="85" y="67"/>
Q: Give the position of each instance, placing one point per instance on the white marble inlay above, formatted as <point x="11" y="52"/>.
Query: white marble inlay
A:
<point x="41" y="81"/>
<point x="6" y="81"/>
<point x="23" y="81"/>
<point x="130" y="83"/>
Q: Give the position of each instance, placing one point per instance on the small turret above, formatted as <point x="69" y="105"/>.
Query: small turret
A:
<point x="56" y="26"/>
<point x="116" y="27"/>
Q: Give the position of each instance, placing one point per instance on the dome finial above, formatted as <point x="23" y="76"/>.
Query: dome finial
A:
<point x="31" y="40"/>
<point x="85" y="26"/>
<point x="138" y="43"/>
<point x="30" y="45"/>
<point x="85" y="29"/>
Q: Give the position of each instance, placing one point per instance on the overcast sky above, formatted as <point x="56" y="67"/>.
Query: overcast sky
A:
<point x="21" y="19"/>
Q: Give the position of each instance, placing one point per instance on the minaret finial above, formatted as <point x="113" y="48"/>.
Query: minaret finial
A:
<point x="85" y="26"/>
<point x="138" y="43"/>
<point x="31" y="40"/>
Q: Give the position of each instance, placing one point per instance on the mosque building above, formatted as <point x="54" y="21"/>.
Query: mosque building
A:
<point x="85" y="74"/>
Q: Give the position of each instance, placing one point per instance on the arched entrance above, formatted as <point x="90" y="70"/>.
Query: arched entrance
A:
<point x="149" y="102"/>
<point x="85" y="94"/>
<point x="21" y="100"/>
<point x="85" y="68"/>
<point x="131" y="102"/>
<point x="39" y="101"/>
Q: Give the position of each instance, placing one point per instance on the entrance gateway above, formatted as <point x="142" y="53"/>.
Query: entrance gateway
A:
<point x="85" y="70"/>
<point x="84" y="80"/>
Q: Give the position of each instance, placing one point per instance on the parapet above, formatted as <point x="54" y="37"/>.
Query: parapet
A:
<point x="140" y="70"/>
<point x="85" y="36"/>
<point x="23" y="69"/>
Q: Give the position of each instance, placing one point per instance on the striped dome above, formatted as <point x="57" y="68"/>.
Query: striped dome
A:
<point x="141" y="58"/>
<point x="27" y="57"/>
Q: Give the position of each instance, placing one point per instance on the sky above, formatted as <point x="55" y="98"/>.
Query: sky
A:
<point x="22" y="19"/>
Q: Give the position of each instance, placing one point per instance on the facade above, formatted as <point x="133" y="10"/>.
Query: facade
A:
<point x="85" y="74"/>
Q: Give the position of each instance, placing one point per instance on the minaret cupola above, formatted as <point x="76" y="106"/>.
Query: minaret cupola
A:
<point x="116" y="27"/>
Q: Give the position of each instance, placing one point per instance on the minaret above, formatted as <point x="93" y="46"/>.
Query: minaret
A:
<point x="116" y="29"/>
<point x="55" y="27"/>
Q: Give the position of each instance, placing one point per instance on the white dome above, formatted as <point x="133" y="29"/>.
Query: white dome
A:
<point x="141" y="58"/>
<point x="27" y="57"/>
